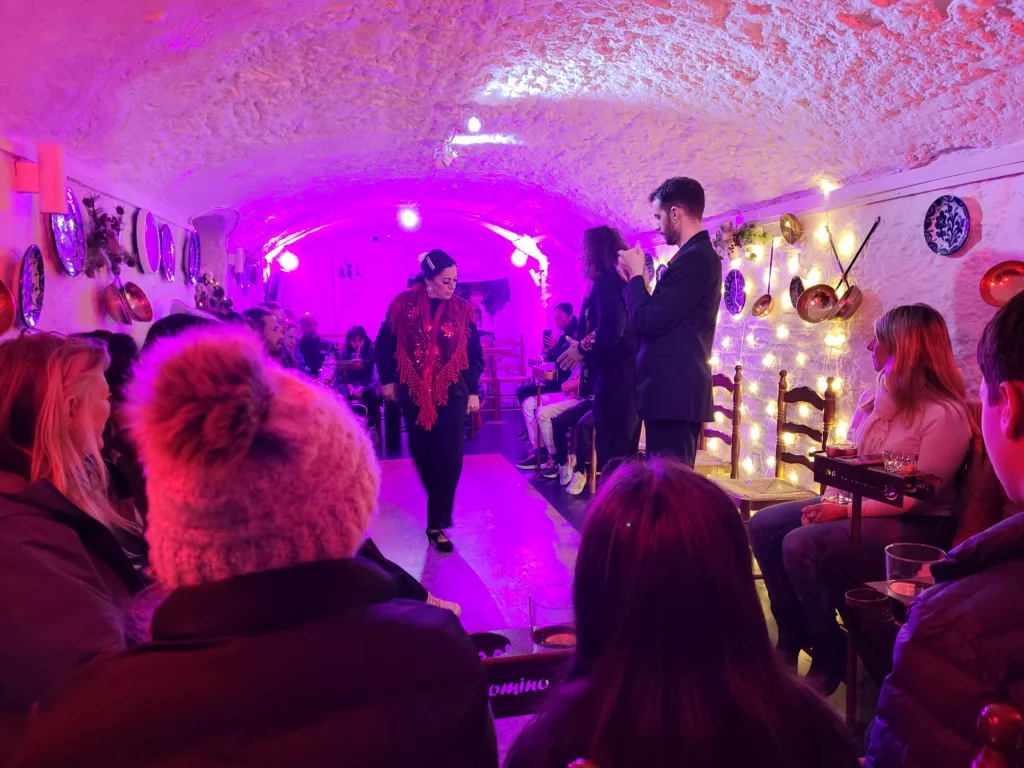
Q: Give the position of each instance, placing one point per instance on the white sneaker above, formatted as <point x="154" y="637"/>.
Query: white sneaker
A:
<point x="565" y="470"/>
<point x="577" y="483"/>
<point x="447" y="605"/>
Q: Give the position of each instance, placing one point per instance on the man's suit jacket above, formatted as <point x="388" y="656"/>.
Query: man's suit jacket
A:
<point x="676" y="326"/>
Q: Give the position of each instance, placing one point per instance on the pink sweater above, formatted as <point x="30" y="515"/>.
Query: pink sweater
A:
<point x="939" y="433"/>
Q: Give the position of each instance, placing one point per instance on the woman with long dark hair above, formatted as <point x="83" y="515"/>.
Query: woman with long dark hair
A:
<point x="607" y="348"/>
<point x="429" y="358"/>
<point x="362" y="386"/>
<point x="673" y="663"/>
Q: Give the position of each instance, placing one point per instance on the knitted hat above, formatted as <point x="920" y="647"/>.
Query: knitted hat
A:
<point x="249" y="467"/>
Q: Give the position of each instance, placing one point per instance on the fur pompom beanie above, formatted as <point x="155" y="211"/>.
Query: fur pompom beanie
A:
<point x="249" y="467"/>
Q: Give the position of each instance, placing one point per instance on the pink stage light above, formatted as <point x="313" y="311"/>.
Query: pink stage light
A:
<point x="409" y="218"/>
<point x="288" y="261"/>
<point x="519" y="258"/>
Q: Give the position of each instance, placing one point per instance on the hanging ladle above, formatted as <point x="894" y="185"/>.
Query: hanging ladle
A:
<point x="819" y="302"/>
<point x="764" y="305"/>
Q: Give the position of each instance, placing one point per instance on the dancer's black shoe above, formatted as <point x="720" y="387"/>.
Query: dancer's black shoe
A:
<point x="440" y="541"/>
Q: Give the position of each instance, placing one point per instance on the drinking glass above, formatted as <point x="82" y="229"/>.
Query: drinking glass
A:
<point x="552" y="619"/>
<point x="837" y="447"/>
<point x="899" y="462"/>
<point x="908" y="567"/>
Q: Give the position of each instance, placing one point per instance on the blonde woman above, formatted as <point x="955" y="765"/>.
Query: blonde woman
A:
<point x="918" y="406"/>
<point x="65" y="581"/>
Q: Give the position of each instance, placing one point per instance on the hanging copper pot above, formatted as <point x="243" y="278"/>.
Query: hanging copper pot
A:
<point x="764" y="304"/>
<point x="1002" y="282"/>
<point x="137" y="302"/>
<point x="792" y="229"/>
<point x="115" y="303"/>
<point x="820" y="302"/>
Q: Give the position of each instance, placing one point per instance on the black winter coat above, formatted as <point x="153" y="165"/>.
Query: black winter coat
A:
<point x="607" y="340"/>
<point x="315" y="665"/>
<point x="676" y="326"/>
<point x="962" y="648"/>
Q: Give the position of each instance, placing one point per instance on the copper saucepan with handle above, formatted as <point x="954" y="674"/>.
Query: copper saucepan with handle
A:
<point x="820" y="302"/>
<point x="764" y="304"/>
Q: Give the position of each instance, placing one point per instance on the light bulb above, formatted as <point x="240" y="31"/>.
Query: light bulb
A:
<point x="828" y="187"/>
<point x="794" y="264"/>
<point x="755" y="432"/>
<point x="719" y="418"/>
<point x="843" y="430"/>
<point x="768" y="360"/>
<point x="748" y="465"/>
<point x="787" y="303"/>
<point x="771" y="408"/>
<point x="814" y="276"/>
<point x="751" y="339"/>
<point x="408" y="218"/>
<point x="801" y="358"/>
<point x="474" y="125"/>
<point x="782" y="332"/>
<point x="713" y="444"/>
<point x="846" y="244"/>
<point x="752" y="388"/>
<point x="792" y="477"/>
<point x="770" y="461"/>
<point x="837" y="385"/>
<point x="714" y="360"/>
<point x="822" y="384"/>
<point x="821" y="234"/>
<point x="726" y="342"/>
<point x="735" y="263"/>
<point x="288" y="261"/>
<point x="804" y="411"/>
<point x="788" y="438"/>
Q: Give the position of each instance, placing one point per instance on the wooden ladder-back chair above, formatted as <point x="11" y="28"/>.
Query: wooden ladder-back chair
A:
<point x="707" y="463"/>
<point x="760" y="492"/>
<point x="505" y="364"/>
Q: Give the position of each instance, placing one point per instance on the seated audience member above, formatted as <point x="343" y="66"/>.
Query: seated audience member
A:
<point x="172" y="325"/>
<point x="363" y="386"/>
<point x="962" y="645"/>
<point x="561" y="425"/>
<point x="584" y="444"/>
<point x="550" y="406"/>
<point x="918" y="406"/>
<point x="267" y="327"/>
<point x="290" y="346"/>
<point x="127" y="489"/>
<point x="274" y="647"/>
<point x="65" y="581"/>
<point x="566" y="324"/>
<point x="673" y="665"/>
<point x="313" y="349"/>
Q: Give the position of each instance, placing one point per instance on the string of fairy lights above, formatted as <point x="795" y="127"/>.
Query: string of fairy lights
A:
<point x="782" y="340"/>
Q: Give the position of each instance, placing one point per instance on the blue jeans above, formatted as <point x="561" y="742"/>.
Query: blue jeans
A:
<point x="789" y="555"/>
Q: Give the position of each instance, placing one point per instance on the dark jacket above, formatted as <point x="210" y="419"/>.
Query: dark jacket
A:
<point x="561" y="346"/>
<point x="65" y="586"/>
<point x="962" y="648"/>
<point x="676" y="327"/>
<point x="313" y="353"/>
<point x="315" y="665"/>
<point x="607" y="340"/>
<point x="361" y="377"/>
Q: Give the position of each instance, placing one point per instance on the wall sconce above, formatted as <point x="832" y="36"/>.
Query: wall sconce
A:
<point x="45" y="177"/>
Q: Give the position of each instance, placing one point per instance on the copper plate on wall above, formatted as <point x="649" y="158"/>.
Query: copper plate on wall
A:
<point x="1002" y="283"/>
<point x="792" y="229"/>
<point x="7" y="312"/>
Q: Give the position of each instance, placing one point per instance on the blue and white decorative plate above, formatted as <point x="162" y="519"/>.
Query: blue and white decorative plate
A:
<point x="735" y="293"/>
<point x="946" y="225"/>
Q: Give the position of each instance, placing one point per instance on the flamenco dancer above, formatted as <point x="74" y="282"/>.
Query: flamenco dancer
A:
<point x="429" y="358"/>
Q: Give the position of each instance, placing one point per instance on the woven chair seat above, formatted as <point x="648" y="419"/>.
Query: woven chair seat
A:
<point x="708" y="464"/>
<point x="764" y="489"/>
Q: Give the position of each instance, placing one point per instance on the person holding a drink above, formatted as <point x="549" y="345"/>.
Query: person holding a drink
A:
<point x="917" y="409"/>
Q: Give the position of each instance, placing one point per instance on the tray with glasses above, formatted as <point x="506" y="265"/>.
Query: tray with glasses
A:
<point x="886" y="477"/>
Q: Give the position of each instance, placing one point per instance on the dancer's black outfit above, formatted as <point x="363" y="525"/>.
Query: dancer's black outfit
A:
<point x="676" y="328"/>
<point x="431" y="349"/>
<point x="608" y="346"/>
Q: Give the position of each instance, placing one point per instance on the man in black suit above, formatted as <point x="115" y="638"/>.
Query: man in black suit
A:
<point x="676" y="324"/>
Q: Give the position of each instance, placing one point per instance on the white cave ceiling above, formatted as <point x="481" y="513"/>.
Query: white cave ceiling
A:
<point x="299" y="111"/>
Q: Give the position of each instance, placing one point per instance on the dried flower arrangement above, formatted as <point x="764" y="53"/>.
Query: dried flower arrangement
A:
<point x="105" y="251"/>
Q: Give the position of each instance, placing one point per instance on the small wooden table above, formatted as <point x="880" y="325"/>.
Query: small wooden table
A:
<point x="542" y="372"/>
<point x="873" y="482"/>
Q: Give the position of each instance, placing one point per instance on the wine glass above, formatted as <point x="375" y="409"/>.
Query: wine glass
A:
<point x="840" y="446"/>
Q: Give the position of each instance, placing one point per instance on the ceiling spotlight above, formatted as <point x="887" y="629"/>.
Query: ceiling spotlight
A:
<point x="519" y="258"/>
<point x="474" y="125"/>
<point x="288" y="261"/>
<point x="408" y="218"/>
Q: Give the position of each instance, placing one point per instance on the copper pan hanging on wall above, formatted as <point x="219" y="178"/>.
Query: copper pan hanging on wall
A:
<point x="764" y="304"/>
<point x="1002" y="282"/>
<point x="820" y="302"/>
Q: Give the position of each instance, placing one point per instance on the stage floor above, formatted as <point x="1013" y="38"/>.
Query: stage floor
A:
<point x="508" y="540"/>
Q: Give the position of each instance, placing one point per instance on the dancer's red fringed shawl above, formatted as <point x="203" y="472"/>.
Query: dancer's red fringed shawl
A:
<point x="430" y="348"/>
